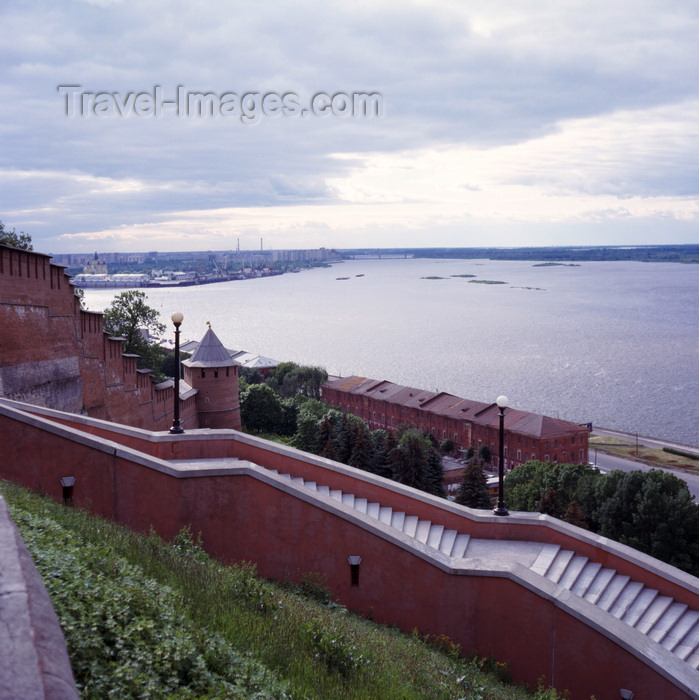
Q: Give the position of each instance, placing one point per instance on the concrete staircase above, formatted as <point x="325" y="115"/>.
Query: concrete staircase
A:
<point x="663" y="620"/>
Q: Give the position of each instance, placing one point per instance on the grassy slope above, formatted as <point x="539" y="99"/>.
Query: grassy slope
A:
<point x="144" y="618"/>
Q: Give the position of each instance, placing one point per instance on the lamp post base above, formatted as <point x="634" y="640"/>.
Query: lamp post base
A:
<point x="501" y="510"/>
<point x="176" y="429"/>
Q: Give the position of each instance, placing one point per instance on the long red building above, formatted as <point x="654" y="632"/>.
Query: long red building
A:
<point x="383" y="404"/>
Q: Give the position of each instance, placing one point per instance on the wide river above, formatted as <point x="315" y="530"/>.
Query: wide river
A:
<point x="612" y="343"/>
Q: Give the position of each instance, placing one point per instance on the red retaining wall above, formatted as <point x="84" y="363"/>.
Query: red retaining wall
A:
<point x="244" y="512"/>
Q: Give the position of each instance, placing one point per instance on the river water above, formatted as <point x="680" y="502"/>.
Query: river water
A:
<point x="612" y="343"/>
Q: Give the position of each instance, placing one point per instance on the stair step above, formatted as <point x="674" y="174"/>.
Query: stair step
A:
<point x="653" y="614"/>
<point x="447" y="543"/>
<point x="546" y="556"/>
<point x="662" y="619"/>
<point x="626" y="600"/>
<point x="587" y="576"/>
<point x="398" y="520"/>
<point x="613" y="591"/>
<point x="641" y="604"/>
<point x="423" y="530"/>
<point x="410" y="525"/>
<point x="665" y="624"/>
<point x="372" y="510"/>
<point x="460" y="545"/>
<point x="570" y="576"/>
<point x="385" y="513"/>
<point x="361" y="504"/>
<point x="559" y="565"/>
<point x="684" y="633"/>
<point x="599" y="585"/>
<point x="435" y="536"/>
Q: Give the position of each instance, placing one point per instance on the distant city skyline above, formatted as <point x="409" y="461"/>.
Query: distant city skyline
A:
<point x="161" y="126"/>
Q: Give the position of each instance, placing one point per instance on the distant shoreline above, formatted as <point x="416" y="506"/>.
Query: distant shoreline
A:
<point x="688" y="253"/>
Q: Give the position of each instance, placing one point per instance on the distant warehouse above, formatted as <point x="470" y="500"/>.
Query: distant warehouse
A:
<point x="528" y="436"/>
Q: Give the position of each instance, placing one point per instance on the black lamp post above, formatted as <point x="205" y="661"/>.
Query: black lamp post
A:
<point x="177" y="319"/>
<point x="501" y="510"/>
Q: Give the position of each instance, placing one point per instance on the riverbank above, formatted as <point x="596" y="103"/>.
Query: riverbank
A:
<point x="645" y="450"/>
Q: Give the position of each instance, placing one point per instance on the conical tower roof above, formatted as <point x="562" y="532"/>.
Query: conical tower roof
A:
<point x="210" y="353"/>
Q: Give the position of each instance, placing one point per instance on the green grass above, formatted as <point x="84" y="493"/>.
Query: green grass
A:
<point x="148" y="619"/>
<point x="665" y="459"/>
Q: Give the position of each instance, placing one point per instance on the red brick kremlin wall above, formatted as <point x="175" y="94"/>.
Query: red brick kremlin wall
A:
<point x="55" y="354"/>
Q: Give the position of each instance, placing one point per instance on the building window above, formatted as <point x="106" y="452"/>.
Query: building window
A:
<point x="203" y="374"/>
<point x="519" y="455"/>
<point x="546" y="458"/>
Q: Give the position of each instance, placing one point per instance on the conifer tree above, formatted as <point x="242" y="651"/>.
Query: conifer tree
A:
<point x="362" y="456"/>
<point x="409" y="460"/>
<point x="473" y="490"/>
<point x="382" y="447"/>
<point x="434" y="474"/>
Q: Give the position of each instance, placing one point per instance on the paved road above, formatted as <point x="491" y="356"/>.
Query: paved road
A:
<point x="609" y="462"/>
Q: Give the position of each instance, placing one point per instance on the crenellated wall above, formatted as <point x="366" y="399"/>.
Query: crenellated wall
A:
<point x="55" y="354"/>
<point x="221" y="483"/>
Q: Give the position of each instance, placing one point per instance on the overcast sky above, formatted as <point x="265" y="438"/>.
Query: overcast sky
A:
<point x="501" y="123"/>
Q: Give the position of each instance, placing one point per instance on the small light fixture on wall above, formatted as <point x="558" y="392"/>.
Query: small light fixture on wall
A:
<point x="67" y="482"/>
<point x="626" y="694"/>
<point x="354" y="562"/>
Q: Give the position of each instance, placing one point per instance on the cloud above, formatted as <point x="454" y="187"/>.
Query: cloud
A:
<point x="499" y="112"/>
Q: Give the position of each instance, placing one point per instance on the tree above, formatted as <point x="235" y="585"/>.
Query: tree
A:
<point x="261" y="409"/>
<point x="447" y="446"/>
<point x="168" y="365"/>
<point x="306" y="436"/>
<point x="484" y="453"/>
<point x="473" y="490"/>
<point x="409" y="460"/>
<point x="289" y="421"/>
<point x="126" y="317"/>
<point x="383" y="444"/>
<point x="16" y="240"/>
<point x="362" y="456"/>
<point x="416" y="463"/>
<point x="652" y="511"/>
<point x="434" y="476"/>
<point x="289" y="379"/>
